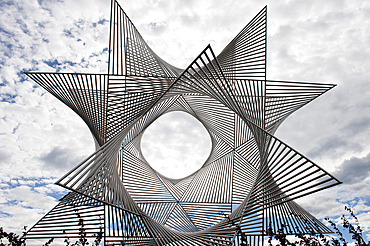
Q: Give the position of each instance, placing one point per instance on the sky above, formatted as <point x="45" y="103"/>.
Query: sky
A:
<point x="308" y="40"/>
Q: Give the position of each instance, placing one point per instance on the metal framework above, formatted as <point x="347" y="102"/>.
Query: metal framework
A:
<point x="244" y="189"/>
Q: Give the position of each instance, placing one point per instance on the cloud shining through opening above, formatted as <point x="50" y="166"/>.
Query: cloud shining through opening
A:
<point x="176" y="144"/>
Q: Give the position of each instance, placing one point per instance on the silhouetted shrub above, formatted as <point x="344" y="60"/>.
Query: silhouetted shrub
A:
<point x="321" y="239"/>
<point x="281" y="239"/>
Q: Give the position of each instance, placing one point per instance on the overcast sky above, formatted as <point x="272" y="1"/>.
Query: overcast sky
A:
<point x="314" y="41"/>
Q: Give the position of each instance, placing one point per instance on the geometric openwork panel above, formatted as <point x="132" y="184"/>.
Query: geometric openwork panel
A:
<point x="246" y="186"/>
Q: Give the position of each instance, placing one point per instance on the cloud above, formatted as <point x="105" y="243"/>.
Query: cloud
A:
<point x="22" y="206"/>
<point x="334" y="146"/>
<point x="354" y="170"/>
<point x="4" y="156"/>
<point x="176" y="144"/>
<point x="157" y="28"/>
<point x="59" y="158"/>
<point x="322" y="204"/>
<point x="189" y="20"/>
<point x="357" y="126"/>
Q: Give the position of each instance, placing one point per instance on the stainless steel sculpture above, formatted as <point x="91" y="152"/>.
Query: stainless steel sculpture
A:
<point x="246" y="186"/>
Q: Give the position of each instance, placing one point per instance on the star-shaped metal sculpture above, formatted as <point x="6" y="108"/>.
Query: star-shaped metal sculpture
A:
<point x="245" y="188"/>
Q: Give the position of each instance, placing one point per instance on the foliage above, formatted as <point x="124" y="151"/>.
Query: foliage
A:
<point x="280" y="238"/>
<point x="16" y="240"/>
<point x="13" y="239"/>
<point x="82" y="241"/>
<point x="321" y="239"/>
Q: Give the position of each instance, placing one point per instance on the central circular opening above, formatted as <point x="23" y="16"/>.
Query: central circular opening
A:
<point x="176" y="144"/>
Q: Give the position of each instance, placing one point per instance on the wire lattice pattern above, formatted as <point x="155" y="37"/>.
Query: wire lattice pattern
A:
<point x="245" y="187"/>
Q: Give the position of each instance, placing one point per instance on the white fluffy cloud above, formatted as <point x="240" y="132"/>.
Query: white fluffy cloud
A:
<point x="176" y="144"/>
<point x="40" y="138"/>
